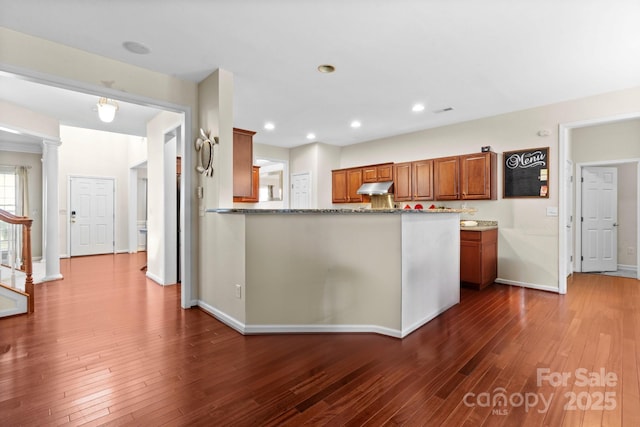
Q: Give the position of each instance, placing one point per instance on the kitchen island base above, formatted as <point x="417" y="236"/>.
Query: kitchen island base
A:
<point x="387" y="273"/>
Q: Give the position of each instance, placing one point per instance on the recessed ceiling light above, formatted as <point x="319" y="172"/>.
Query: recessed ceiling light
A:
<point x="135" y="47"/>
<point x="355" y="124"/>
<point x="269" y="126"/>
<point x="326" y="68"/>
<point x="311" y="135"/>
<point x="417" y="108"/>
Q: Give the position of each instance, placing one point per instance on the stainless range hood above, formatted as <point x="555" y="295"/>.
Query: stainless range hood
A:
<point x="375" y="188"/>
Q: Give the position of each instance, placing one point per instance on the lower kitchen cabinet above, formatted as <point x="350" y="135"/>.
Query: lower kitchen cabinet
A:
<point x="478" y="257"/>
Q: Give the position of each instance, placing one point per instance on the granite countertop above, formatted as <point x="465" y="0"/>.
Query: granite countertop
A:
<point x="482" y="226"/>
<point x="338" y="211"/>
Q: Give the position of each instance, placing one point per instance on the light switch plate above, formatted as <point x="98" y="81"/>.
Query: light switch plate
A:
<point x="552" y="211"/>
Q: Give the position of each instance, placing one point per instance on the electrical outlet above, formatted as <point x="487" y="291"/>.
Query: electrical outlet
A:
<point x="238" y="291"/>
<point x="631" y="250"/>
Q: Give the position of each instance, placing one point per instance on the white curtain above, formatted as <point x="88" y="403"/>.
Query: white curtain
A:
<point x="22" y="173"/>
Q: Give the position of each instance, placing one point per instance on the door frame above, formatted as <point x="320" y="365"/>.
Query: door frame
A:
<point x="115" y="206"/>
<point x="189" y="276"/>
<point x="564" y="151"/>
<point x="577" y="264"/>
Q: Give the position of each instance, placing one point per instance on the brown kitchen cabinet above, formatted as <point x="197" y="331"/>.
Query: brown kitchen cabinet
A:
<point x="255" y="188"/>
<point x="446" y="178"/>
<point x="339" y="186"/>
<point x="413" y="180"/>
<point x="478" y="257"/>
<point x="478" y="176"/>
<point x="377" y="173"/>
<point x="243" y="163"/>
<point x="345" y="184"/>
<point x="354" y="182"/>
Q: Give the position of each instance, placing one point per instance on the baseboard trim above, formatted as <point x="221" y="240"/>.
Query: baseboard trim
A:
<point x="425" y="320"/>
<point x="154" y="278"/>
<point x="231" y="322"/>
<point x="627" y="267"/>
<point x="320" y="329"/>
<point x="528" y="285"/>
<point x="293" y="329"/>
<point x="51" y="278"/>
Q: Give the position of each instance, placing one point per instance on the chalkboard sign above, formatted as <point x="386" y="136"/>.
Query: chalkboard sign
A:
<point x="526" y="173"/>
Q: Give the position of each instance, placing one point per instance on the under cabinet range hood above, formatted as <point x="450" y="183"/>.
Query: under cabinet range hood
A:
<point x="375" y="188"/>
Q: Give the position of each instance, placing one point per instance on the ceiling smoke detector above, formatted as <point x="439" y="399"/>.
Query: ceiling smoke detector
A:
<point x="444" y="110"/>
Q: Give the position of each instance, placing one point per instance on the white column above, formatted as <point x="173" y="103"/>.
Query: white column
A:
<point x="51" y="250"/>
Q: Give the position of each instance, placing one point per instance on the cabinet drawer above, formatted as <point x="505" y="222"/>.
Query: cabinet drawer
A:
<point x="470" y="236"/>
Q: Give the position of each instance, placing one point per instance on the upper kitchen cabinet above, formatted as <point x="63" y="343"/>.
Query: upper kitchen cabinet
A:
<point x="422" y="180"/>
<point x="345" y="184"/>
<point x="478" y="176"/>
<point x="255" y="188"/>
<point x="354" y="182"/>
<point x="243" y="163"/>
<point x="339" y="186"/>
<point x="413" y="180"/>
<point x="377" y="173"/>
<point x="402" y="189"/>
<point x="446" y="178"/>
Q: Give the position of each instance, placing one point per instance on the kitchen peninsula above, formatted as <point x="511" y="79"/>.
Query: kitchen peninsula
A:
<point x="331" y="270"/>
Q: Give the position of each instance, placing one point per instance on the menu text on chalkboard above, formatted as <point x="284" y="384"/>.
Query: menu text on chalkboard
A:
<point x="526" y="173"/>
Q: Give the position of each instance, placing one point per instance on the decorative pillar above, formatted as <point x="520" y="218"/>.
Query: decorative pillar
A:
<point x="51" y="233"/>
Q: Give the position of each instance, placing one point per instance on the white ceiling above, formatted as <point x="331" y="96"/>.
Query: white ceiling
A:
<point x="481" y="57"/>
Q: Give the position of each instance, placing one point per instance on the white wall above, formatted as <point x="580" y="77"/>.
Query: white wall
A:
<point x="528" y="239"/>
<point x="221" y="250"/>
<point x="21" y="119"/>
<point x="161" y="199"/>
<point x="318" y="159"/>
<point x="98" y="154"/>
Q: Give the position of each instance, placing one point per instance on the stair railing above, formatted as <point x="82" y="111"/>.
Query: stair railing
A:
<point x="25" y="262"/>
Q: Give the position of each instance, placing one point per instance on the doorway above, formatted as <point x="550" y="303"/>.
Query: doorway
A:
<point x="567" y="151"/>
<point x="91" y="216"/>
<point x="599" y="219"/>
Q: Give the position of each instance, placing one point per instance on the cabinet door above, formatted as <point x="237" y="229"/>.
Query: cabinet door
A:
<point x="354" y="182"/>
<point x="384" y="172"/>
<point x="370" y="174"/>
<point x="446" y="176"/>
<point x="402" y="182"/>
<point x="339" y="186"/>
<point x="242" y="162"/>
<point x="255" y="188"/>
<point x="470" y="262"/>
<point x="423" y="180"/>
<point x="478" y="176"/>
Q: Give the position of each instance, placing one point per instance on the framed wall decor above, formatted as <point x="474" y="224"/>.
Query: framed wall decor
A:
<point x="526" y="173"/>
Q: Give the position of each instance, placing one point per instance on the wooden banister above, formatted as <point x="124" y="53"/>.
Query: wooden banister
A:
<point x="26" y="223"/>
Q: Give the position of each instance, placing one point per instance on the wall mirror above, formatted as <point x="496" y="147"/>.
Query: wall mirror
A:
<point x="271" y="187"/>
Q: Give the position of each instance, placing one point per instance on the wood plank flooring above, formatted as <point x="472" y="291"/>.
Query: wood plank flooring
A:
<point x="106" y="346"/>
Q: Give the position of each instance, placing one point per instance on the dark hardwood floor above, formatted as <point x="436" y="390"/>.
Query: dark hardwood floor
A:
<point x="108" y="347"/>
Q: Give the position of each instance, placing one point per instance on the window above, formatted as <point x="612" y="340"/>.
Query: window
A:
<point x="8" y="191"/>
<point x="7" y="203"/>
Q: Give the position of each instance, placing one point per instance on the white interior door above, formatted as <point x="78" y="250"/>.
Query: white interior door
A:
<point x="599" y="219"/>
<point x="91" y="216"/>
<point x="301" y="191"/>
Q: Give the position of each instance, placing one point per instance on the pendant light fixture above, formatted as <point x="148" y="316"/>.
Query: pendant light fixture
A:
<point x="107" y="109"/>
